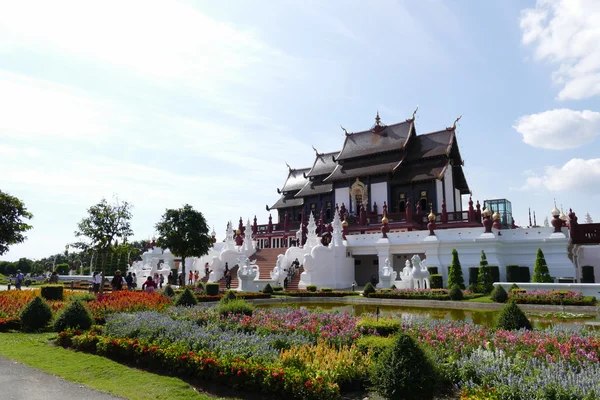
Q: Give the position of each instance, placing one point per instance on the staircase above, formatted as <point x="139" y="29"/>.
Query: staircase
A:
<point x="266" y="260"/>
<point x="234" y="280"/>
<point x="293" y="285"/>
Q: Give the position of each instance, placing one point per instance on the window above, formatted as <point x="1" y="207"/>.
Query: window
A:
<point x="402" y="206"/>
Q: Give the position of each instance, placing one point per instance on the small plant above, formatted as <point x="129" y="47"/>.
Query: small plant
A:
<point x="499" y="295"/>
<point x="455" y="293"/>
<point x="540" y="270"/>
<point x="512" y="318"/>
<point x="212" y="289"/>
<point x="311" y="288"/>
<point x="236" y="306"/>
<point x="277" y="289"/>
<point x="404" y="372"/>
<point x="52" y="292"/>
<point x="436" y="281"/>
<point x="513" y="287"/>
<point x="228" y="296"/>
<point x="326" y="289"/>
<point x="369" y="289"/>
<point x="168" y="291"/>
<point x="186" y="299"/>
<point x="75" y="315"/>
<point x="200" y="286"/>
<point x="268" y="289"/>
<point x="36" y="315"/>
<point x="455" y="275"/>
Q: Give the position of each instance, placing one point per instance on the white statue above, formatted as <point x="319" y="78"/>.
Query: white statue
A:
<point x="420" y="274"/>
<point x="387" y="270"/>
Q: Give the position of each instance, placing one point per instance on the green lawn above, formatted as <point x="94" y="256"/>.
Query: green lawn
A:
<point x="484" y="299"/>
<point x="96" y="372"/>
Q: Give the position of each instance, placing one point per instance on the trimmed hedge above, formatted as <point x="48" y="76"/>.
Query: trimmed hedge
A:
<point x="512" y="318"/>
<point x="302" y="293"/>
<point x="525" y="274"/>
<point x="495" y="271"/>
<point x="376" y="344"/>
<point x="383" y="326"/>
<point x="587" y="274"/>
<point x="326" y="289"/>
<point x="52" y="292"/>
<point x="473" y="275"/>
<point x="74" y="316"/>
<point x="311" y="288"/>
<point x="434" y="294"/>
<point x="36" y="316"/>
<point x="268" y="289"/>
<point x="513" y="273"/>
<point x="499" y="295"/>
<point x="436" y="281"/>
<point x="368" y="290"/>
<point x="455" y="293"/>
<point x="186" y="299"/>
<point x="433" y="270"/>
<point x="212" y="289"/>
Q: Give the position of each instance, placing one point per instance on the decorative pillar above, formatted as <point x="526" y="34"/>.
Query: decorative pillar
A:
<point x="255" y="226"/>
<point x="270" y="225"/>
<point x="419" y="215"/>
<point x="478" y="213"/>
<point x="344" y="228"/>
<point x="444" y="213"/>
<point x="556" y="222"/>
<point x="241" y="226"/>
<point x="375" y="208"/>
<point x="239" y="240"/>
<point x="408" y="212"/>
<point x="384" y="223"/>
<point x="431" y="224"/>
<point x="487" y="221"/>
<point x="343" y="212"/>
<point x="497" y="224"/>
<point x="362" y="215"/>
<point x="471" y="210"/>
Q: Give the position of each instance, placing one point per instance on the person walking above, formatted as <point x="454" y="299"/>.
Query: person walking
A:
<point x="117" y="281"/>
<point x="196" y="276"/>
<point x="161" y="280"/>
<point x="228" y="280"/>
<point x="226" y="268"/>
<point x="149" y="286"/>
<point x="19" y="278"/>
<point x="129" y="280"/>
<point x="96" y="281"/>
<point x="206" y="270"/>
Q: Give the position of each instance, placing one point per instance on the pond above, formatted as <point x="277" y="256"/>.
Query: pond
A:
<point x="479" y="317"/>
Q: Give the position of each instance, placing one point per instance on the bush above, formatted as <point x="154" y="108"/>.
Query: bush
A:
<point x="235" y="306"/>
<point x="473" y="274"/>
<point x="369" y="289"/>
<point x="200" y="286"/>
<point x="436" y="281"/>
<point x="473" y="288"/>
<point x="52" y="292"/>
<point x="311" y="288"/>
<point x="186" y="299"/>
<point x="268" y="289"/>
<point x="85" y="297"/>
<point x="228" y="296"/>
<point x="168" y="291"/>
<point x="524" y="274"/>
<point x="455" y="275"/>
<point x="499" y="295"/>
<point x="540" y="270"/>
<point x="512" y="273"/>
<point x="455" y="293"/>
<point x="212" y="289"/>
<point x="513" y="287"/>
<point x="587" y="274"/>
<point x="376" y="344"/>
<point x="512" y="318"/>
<point x="277" y="289"/>
<point x="383" y="326"/>
<point x="326" y="289"/>
<point x="433" y="270"/>
<point x="495" y="271"/>
<point x="75" y="315"/>
<point x="404" y="372"/>
<point x="484" y="277"/>
<point x="36" y="315"/>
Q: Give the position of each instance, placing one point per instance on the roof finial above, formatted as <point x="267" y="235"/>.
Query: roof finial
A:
<point x="377" y="119"/>
<point x="316" y="152"/>
<point x="288" y="165"/>
<point x="455" y="122"/>
<point x="415" y="113"/>
<point x="345" y="131"/>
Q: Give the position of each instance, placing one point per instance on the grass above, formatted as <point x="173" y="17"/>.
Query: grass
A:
<point x="484" y="299"/>
<point x="95" y="372"/>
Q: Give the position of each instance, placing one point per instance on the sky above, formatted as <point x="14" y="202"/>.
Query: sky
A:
<point x="164" y="102"/>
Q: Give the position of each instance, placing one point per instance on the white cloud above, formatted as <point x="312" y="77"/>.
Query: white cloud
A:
<point x="577" y="175"/>
<point x="559" y="129"/>
<point x="565" y="32"/>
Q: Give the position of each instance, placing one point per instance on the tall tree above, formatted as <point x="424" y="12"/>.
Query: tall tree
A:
<point x="455" y="275"/>
<point x="484" y="278"/>
<point x="540" y="269"/>
<point x="105" y="225"/>
<point x="184" y="231"/>
<point x="12" y="225"/>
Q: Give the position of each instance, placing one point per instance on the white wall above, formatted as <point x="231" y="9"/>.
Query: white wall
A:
<point x="449" y="189"/>
<point x="379" y="195"/>
<point x="439" y="194"/>
<point x="590" y="255"/>
<point x="457" y="200"/>
<point x="342" y="195"/>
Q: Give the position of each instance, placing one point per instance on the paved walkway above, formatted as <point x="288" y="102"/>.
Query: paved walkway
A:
<point x="19" y="382"/>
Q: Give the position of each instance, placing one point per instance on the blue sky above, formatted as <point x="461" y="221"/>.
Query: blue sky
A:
<point x="165" y="103"/>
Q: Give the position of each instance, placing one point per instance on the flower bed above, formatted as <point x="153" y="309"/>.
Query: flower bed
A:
<point x="415" y="294"/>
<point x="204" y="298"/>
<point x="304" y="293"/>
<point x="553" y="297"/>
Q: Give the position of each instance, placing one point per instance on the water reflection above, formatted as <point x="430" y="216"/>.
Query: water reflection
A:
<point x="479" y="317"/>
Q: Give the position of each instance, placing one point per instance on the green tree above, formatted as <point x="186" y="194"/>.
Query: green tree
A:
<point x="484" y="278"/>
<point x="12" y="225"/>
<point x="105" y="225"/>
<point x="184" y="231"/>
<point x="540" y="270"/>
<point x="455" y="275"/>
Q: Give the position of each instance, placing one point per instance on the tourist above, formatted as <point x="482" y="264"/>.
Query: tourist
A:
<point x="161" y="280"/>
<point x="285" y="283"/>
<point x="226" y="269"/>
<point x="19" y="278"/>
<point x="196" y="276"/>
<point x="155" y="277"/>
<point x="96" y="281"/>
<point x="181" y="279"/>
<point x="54" y="277"/>
<point x="117" y="281"/>
<point x="206" y="269"/>
<point x="134" y="281"/>
<point x="129" y="280"/>
<point x="170" y="279"/>
<point x="228" y="280"/>
<point x="149" y="286"/>
<point x="191" y="278"/>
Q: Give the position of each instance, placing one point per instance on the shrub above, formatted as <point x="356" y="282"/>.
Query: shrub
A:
<point x="473" y="274"/>
<point x="404" y="372"/>
<point x="200" y="286"/>
<point x="499" y="295"/>
<point x="473" y="288"/>
<point x="512" y="318"/>
<point x="455" y="275"/>
<point x="455" y="293"/>
<point x="587" y="274"/>
<point x="524" y="274"/>
<point x="212" y="289"/>
<point x="311" y="288"/>
<point x="375" y="344"/>
<point x="369" y="289"/>
<point x="484" y="277"/>
<point x="268" y="289"/>
<point x="36" y="315"/>
<point x="326" y="289"/>
<point x="433" y="270"/>
<point x="512" y="273"/>
<point x="229" y="295"/>
<point x="75" y="315"/>
<point x="168" y="291"/>
<point x="383" y="326"/>
<point x="540" y="270"/>
<point x="495" y="271"/>
<point x="186" y="299"/>
<point x="52" y="292"/>
<point x="85" y="297"/>
<point x="235" y="306"/>
<point x="277" y="288"/>
<point x="436" y="281"/>
<point x="513" y="287"/>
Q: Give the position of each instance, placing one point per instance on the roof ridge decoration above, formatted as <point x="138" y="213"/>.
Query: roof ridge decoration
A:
<point x="453" y="127"/>
<point x="411" y="119"/>
<point x="290" y="168"/>
<point x="317" y="153"/>
<point x="378" y="127"/>
<point x="345" y="131"/>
